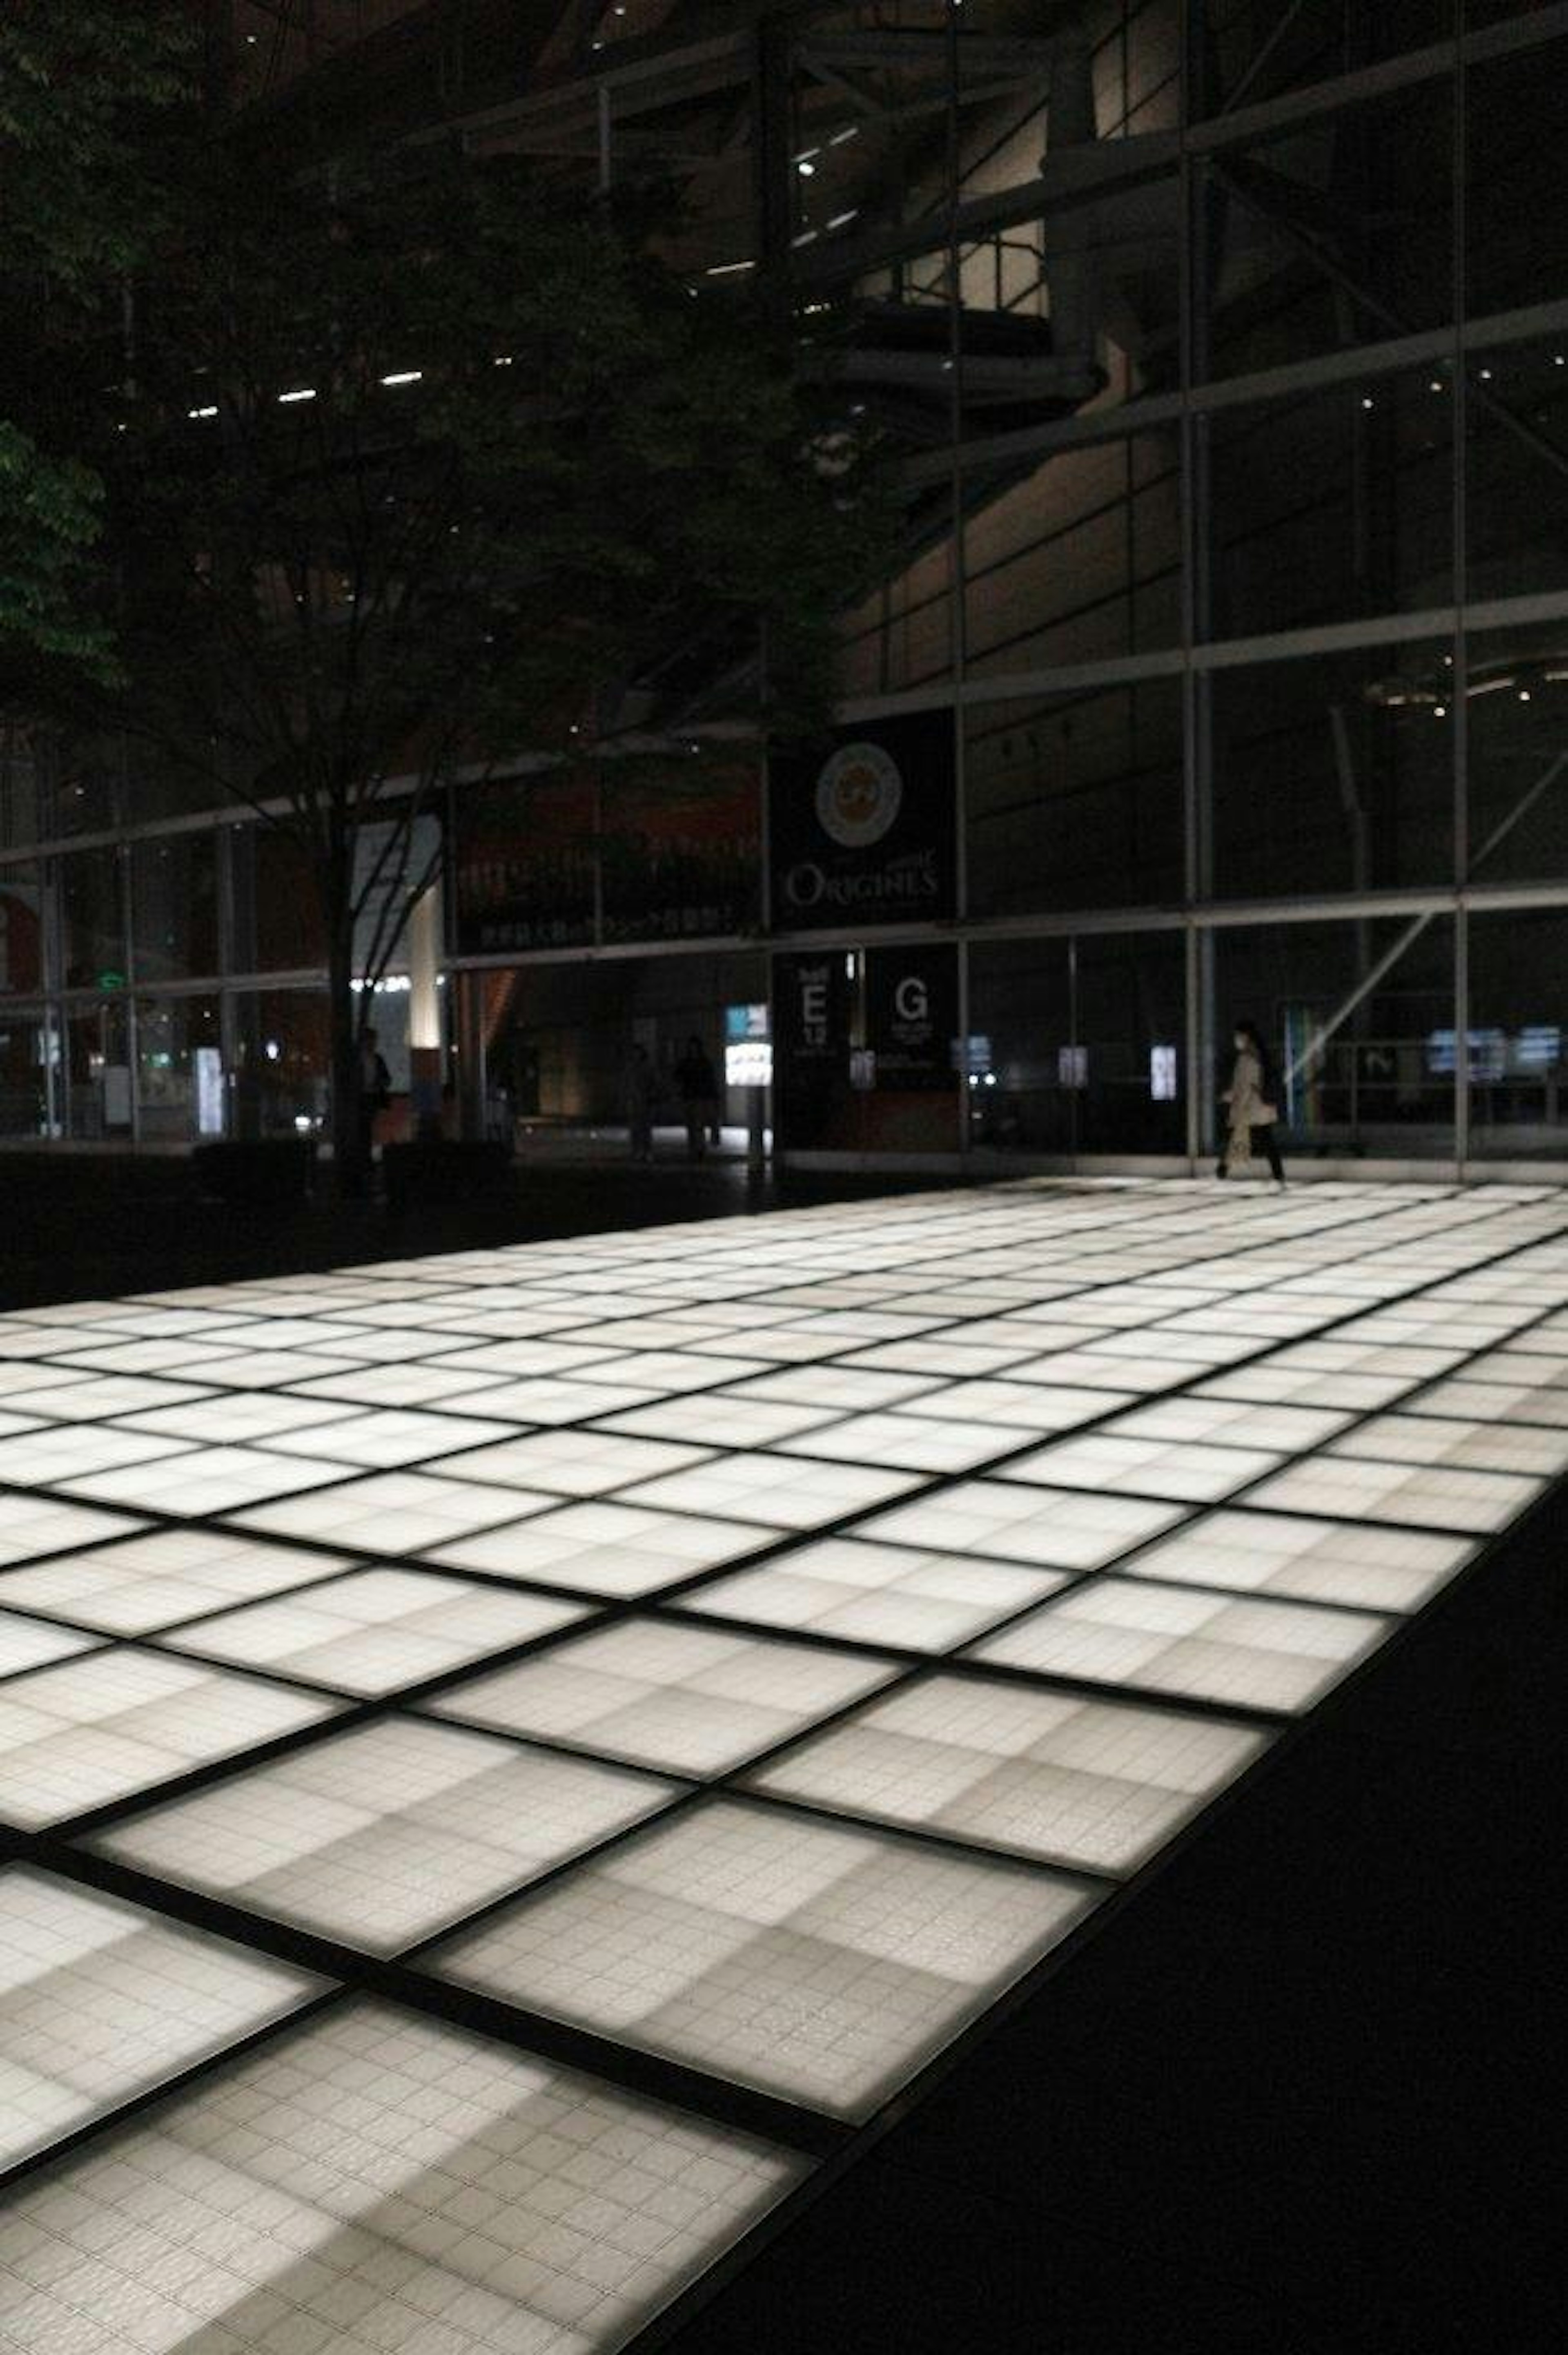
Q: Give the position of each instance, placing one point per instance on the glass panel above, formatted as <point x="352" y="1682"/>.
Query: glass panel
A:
<point x="29" y="1042"/>
<point x="1335" y="233"/>
<point x="1333" y="772"/>
<point x="1080" y="562"/>
<point x="1129" y="1008"/>
<point x="681" y="847"/>
<point x="82" y="787"/>
<point x="1515" y="214"/>
<point x="1332" y="507"/>
<point x="92" y="919"/>
<point x="1517" y="700"/>
<point x="278" y="924"/>
<point x="282" y="1083"/>
<point x="1518" y="1021"/>
<point x="1076" y="800"/>
<point x="1020" y="1025"/>
<point x="21" y="786"/>
<point x="180" y="1080"/>
<point x="98" y="1067"/>
<point x="1516" y="464"/>
<point x="173" y="904"/>
<point x="1259" y="49"/>
<point x="1362" y="1065"/>
<point x="526" y="864"/>
<point x="901" y="637"/>
<point x="21" y="928"/>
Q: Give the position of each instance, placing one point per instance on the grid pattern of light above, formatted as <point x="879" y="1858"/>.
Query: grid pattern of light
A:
<point x="752" y="1645"/>
<point x="813" y="1961"/>
<point x="318" y="2175"/>
<point x="380" y="1836"/>
<point x="99" y="2000"/>
<point x="686" y="1697"/>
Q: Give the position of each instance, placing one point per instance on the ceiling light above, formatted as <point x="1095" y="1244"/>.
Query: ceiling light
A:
<point x="304" y="392"/>
<point x="403" y="376"/>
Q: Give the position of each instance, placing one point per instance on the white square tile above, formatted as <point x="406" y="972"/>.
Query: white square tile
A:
<point x="1311" y="1560"/>
<point x="1018" y="1407"/>
<point x="203" y="1480"/>
<point x="912" y="1442"/>
<point x="877" y="1594"/>
<point x="32" y="1642"/>
<point x="112" y="1722"/>
<point x="785" y="1492"/>
<point x="611" y="1547"/>
<point x="1087" y="1784"/>
<point x="100" y="2001"/>
<point x="718" y="1419"/>
<point x="1462" y="1445"/>
<point x="1232" y="1423"/>
<point x="375" y="1630"/>
<point x="34" y="1525"/>
<point x="834" y="1389"/>
<point x="1418" y="1495"/>
<point x="393" y="1512"/>
<point x="390" y="1436"/>
<point x="68" y="1452"/>
<point x="451" y="2196"/>
<point x="1059" y="1528"/>
<point x="571" y="1463"/>
<point x="823" y="1964"/>
<point x="242" y="1418"/>
<point x="1182" y="1469"/>
<point x="690" y="1698"/>
<point x="155" y="1581"/>
<point x="382" y="1835"/>
<point x="1163" y="1639"/>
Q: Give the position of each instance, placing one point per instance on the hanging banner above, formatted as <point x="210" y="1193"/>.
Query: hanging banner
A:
<point x="524" y="864"/>
<point x="866" y="833"/>
<point x="682" y="849"/>
<point x="912" y="1016"/>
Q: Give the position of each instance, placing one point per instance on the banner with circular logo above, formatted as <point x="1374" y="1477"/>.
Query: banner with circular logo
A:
<point x="865" y="834"/>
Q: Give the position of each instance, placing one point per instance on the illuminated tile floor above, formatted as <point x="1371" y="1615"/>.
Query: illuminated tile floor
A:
<point x="509" y="1761"/>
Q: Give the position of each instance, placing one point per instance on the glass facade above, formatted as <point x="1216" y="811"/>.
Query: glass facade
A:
<point x="1222" y="355"/>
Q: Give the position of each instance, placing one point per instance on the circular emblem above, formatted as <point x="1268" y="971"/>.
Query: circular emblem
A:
<point x="858" y="794"/>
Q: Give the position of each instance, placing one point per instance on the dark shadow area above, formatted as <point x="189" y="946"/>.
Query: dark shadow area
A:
<point x="1297" y="2094"/>
<point x="86" y="1227"/>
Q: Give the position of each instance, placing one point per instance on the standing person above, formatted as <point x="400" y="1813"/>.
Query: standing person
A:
<point x="1251" y="1110"/>
<point x="374" y="1091"/>
<point x="639" y="1084"/>
<point x="698" y="1085"/>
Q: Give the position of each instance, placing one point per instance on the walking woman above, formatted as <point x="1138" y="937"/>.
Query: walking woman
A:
<point x="1251" y="1111"/>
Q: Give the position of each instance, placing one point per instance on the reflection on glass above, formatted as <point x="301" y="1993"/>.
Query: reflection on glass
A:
<point x="92" y="919"/>
<point x="1355" y="1016"/>
<point x="277" y="925"/>
<point x="1075" y="801"/>
<point x="1515" y="1063"/>
<point x="1079" y="562"/>
<point x="174" y="900"/>
<point x="1516" y="458"/>
<point x="1076" y="1046"/>
<point x="1334" y="232"/>
<point x="1332" y="506"/>
<point x="100" y="1102"/>
<point x="21" y="930"/>
<point x="1333" y="772"/>
<point x="281" y="1076"/>
<point x="29" y="1071"/>
<point x="181" y="1087"/>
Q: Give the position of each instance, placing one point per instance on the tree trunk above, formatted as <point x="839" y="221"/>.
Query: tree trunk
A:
<point x="351" y="1160"/>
